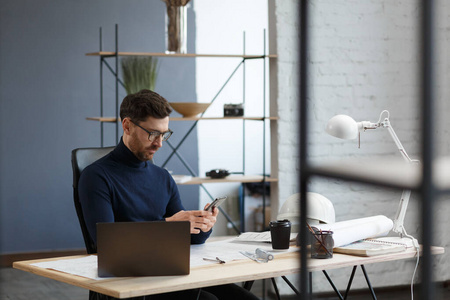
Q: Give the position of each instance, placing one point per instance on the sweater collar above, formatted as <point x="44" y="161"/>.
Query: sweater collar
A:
<point x="125" y="156"/>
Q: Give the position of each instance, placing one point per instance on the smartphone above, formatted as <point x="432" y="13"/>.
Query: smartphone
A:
<point x="215" y="203"/>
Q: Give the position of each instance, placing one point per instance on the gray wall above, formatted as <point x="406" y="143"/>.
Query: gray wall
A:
<point x="48" y="86"/>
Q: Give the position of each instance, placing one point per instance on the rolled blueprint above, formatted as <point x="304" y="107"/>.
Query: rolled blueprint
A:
<point x="350" y="231"/>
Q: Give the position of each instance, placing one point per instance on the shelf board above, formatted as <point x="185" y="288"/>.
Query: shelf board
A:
<point x="222" y="118"/>
<point x="111" y="53"/>
<point x="113" y="119"/>
<point x="386" y="172"/>
<point x="102" y="119"/>
<point x="230" y="178"/>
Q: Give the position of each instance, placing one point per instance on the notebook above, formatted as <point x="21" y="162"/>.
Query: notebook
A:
<point x="371" y="247"/>
<point x="143" y="248"/>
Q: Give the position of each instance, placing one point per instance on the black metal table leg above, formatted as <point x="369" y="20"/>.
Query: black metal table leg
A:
<point x="248" y="285"/>
<point x="368" y="283"/>
<point x="332" y="285"/>
<point x="290" y="285"/>
<point x="350" y="281"/>
<point x="275" y="287"/>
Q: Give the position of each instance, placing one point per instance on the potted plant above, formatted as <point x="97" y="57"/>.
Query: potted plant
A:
<point x="139" y="72"/>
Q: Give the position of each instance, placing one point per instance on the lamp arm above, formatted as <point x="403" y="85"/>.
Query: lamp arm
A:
<point x="387" y="124"/>
<point x="398" y="226"/>
<point x="401" y="213"/>
<point x="364" y="125"/>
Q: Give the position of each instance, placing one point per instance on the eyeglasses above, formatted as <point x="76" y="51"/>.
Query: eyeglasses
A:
<point x="153" y="135"/>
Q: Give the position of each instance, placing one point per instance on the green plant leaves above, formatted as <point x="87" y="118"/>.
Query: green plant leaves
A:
<point x="139" y="72"/>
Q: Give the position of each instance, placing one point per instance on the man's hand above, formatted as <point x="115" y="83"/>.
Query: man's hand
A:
<point x="199" y="219"/>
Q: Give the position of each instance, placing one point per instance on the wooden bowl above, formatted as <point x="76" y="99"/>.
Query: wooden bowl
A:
<point x="189" y="109"/>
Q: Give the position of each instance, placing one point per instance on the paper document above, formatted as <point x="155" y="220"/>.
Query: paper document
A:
<point x="262" y="237"/>
<point x="85" y="266"/>
<point x="225" y="250"/>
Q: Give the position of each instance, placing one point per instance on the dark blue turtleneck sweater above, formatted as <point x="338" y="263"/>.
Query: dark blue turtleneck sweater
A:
<point x="121" y="188"/>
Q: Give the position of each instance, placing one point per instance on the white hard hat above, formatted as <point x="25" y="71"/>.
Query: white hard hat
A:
<point x="320" y="209"/>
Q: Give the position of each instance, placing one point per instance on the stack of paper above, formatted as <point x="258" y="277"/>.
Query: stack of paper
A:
<point x="259" y="237"/>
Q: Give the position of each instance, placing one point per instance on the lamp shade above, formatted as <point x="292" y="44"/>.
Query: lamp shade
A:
<point x="343" y="127"/>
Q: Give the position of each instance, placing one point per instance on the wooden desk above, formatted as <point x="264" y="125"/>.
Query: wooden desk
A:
<point x="214" y="274"/>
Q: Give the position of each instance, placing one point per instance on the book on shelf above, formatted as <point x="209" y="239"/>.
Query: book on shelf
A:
<point x="372" y="247"/>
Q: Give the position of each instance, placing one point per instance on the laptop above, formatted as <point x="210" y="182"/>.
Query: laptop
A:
<point x="143" y="248"/>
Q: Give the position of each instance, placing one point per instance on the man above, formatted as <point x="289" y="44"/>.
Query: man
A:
<point x="124" y="186"/>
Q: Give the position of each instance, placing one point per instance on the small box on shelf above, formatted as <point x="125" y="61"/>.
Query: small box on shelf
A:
<point x="233" y="110"/>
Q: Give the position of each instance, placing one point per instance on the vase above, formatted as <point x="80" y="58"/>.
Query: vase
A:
<point x="176" y="28"/>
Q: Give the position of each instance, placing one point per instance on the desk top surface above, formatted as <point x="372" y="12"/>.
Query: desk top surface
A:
<point x="209" y="275"/>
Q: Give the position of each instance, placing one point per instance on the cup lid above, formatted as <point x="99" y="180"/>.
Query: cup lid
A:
<point x="284" y="222"/>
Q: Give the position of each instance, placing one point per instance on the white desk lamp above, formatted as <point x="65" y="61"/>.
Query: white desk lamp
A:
<point x="344" y="127"/>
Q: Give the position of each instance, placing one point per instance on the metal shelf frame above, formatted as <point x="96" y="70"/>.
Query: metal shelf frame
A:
<point x="427" y="187"/>
<point x="104" y="55"/>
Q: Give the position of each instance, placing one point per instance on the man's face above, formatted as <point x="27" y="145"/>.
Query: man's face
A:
<point x="136" y="139"/>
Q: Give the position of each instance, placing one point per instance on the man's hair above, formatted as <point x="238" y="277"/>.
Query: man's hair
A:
<point x="143" y="104"/>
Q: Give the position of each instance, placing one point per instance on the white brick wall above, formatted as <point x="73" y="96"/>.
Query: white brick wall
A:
<point x="364" y="59"/>
<point x="286" y="99"/>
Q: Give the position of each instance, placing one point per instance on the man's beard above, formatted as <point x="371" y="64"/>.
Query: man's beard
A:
<point x="144" y="155"/>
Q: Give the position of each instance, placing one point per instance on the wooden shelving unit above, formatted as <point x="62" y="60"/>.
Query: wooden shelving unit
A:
<point x="105" y="55"/>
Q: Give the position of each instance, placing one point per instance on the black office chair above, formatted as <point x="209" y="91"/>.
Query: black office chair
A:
<point x="81" y="158"/>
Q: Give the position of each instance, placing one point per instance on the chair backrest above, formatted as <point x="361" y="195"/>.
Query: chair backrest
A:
<point x="81" y="158"/>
